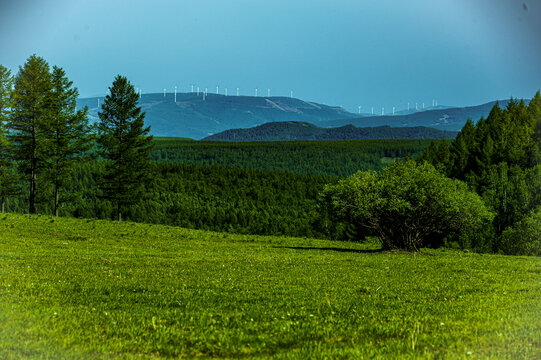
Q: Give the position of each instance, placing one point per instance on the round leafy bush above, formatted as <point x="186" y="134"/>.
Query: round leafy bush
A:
<point x="408" y="205"/>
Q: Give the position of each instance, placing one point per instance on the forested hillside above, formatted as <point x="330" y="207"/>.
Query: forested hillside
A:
<point x="337" y="158"/>
<point x="202" y="197"/>
<point x="294" y="130"/>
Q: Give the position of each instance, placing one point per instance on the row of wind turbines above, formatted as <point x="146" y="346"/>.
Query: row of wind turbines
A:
<point x="198" y="91"/>
<point x="434" y="104"/>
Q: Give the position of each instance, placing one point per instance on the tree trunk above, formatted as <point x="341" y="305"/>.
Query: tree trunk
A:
<point x="3" y="204"/>
<point x="32" y="199"/>
<point x="56" y="200"/>
<point x="119" y="212"/>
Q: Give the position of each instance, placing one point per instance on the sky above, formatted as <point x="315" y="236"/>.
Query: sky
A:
<point x="350" y="53"/>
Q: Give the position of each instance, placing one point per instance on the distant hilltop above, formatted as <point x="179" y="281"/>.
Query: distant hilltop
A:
<point x="199" y="116"/>
<point x="294" y="130"/>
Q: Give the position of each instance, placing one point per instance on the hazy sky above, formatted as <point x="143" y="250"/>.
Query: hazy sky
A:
<point x="379" y="53"/>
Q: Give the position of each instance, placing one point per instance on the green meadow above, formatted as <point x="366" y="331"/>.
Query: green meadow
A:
<point x="95" y="289"/>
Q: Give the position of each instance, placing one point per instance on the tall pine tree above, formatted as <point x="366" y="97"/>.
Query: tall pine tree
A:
<point x="8" y="177"/>
<point x="29" y="121"/>
<point x="125" y="145"/>
<point x="68" y="133"/>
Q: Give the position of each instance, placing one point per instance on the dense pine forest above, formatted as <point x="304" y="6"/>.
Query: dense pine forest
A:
<point x="335" y="158"/>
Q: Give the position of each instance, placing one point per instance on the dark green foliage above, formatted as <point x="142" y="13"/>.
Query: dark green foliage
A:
<point x="524" y="238"/>
<point x="8" y="176"/>
<point x="336" y="158"/>
<point x="28" y="122"/>
<point x="125" y="145"/>
<point x="68" y="133"/>
<point x="407" y="205"/>
<point x="295" y="130"/>
<point x="209" y="197"/>
<point x="499" y="158"/>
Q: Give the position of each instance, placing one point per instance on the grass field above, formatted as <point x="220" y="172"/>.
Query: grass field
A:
<point x="96" y="289"/>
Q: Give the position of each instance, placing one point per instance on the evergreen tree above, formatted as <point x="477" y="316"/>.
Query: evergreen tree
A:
<point x="8" y="178"/>
<point x="68" y="133"/>
<point x="124" y="144"/>
<point x="28" y="121"/>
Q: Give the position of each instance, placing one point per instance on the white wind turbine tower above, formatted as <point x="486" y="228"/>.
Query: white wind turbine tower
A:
<point x="255" y="92"/>
<point x="98" y="103"/>
<point x="408" y="106"/>
<point x="291" y="94"/>
<point x="206" y="92"/>
<point x="163" y="92"/>
<point x="237" y="91"/>
<point x="140" y="93"/>
<point x="198" y="91"/>
<point x="225" y="91"/>
<point x="359" y="109"/>
<point x="268" y="92"/>
<point x="416" y="108"/>
<point x="372" y="110"/>
<point x="192" y="88"/>
<point x="433" y="102"/>
<point x="382" y="111"/>
<point x="393" y="110"/>
<point x="217" y="89"/>
<point x="175" y="94"/>
<point x="423" y="106"/>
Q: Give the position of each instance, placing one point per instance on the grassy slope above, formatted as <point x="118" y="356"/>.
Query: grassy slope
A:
<point x="95" y="289"/>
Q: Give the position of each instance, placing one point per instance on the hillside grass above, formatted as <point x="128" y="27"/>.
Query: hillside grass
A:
<point x="97" y="289"/>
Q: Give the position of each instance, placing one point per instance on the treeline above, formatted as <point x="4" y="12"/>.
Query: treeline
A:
<point x="500" y="158"/>
<point x="336" y="158"/>
<point x="204" y="197"/>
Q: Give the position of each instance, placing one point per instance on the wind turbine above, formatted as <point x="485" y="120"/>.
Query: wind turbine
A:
<point x="255" y="92"/>
<point x="237" y="91"/>
<point x="291" y="94"/>
<point x="225" y="91"/>
<point x="268" y="92"/>
<point x="98" y="103"/>
<point x="382" y="111"/>
<point x="359" y="109"/>
<point x="372" y="110"/>
<point x="198" y="91"/>
<point x="408" y="107"/>
<point x="217" y="89"/>
<point x="393" y="110"/>
<point x="175" y="94"/>
<point x="163" y="92"/>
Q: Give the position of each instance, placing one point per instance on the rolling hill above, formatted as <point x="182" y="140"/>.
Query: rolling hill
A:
<point x="442" y="118"/>
<point x="294" y="130"/>
<point x="196" y="116"/>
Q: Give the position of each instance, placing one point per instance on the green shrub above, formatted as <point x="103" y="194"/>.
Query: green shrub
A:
<point x="524" y="237"/>
<point x="408" y="205"/>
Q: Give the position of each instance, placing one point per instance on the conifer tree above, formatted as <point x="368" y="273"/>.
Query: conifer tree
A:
<point x="124" y="144"/>
<point x="8" y="177"/>
<point x="68" y="133"/>
<point x="28" y="121"/>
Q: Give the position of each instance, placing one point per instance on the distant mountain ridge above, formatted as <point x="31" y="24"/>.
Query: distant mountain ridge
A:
<point x="197" y="116"/>
<point x="294" y="130"/>
<point x="452" y="119"/>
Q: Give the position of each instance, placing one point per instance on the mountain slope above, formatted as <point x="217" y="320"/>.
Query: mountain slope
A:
<point x="293" y="130"/>
<point x="196" y="116"/>
<point x="444" y="119"/>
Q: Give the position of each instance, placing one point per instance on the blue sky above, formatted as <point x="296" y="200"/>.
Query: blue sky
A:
<point x="378" y="53"/>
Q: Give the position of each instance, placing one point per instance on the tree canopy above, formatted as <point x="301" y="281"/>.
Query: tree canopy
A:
<point x="407" y="205"/>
